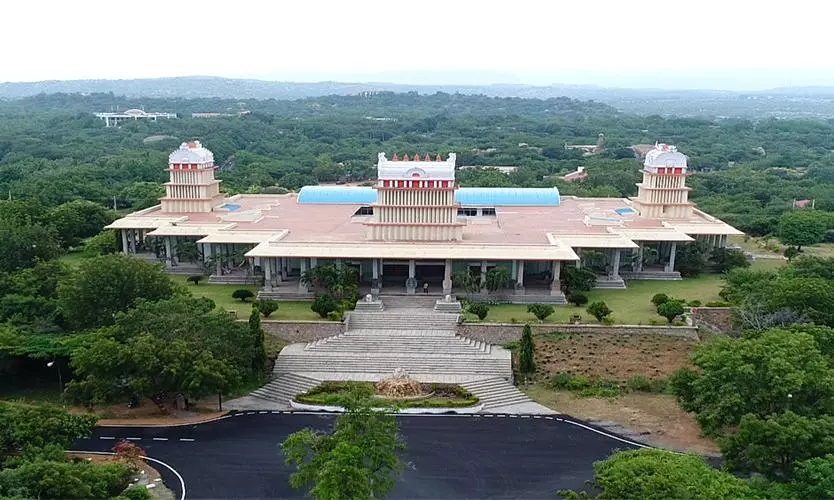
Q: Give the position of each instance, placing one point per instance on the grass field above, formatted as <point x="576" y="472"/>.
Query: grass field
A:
<point x="222" y="296"/>
<point x="630" y="306"/>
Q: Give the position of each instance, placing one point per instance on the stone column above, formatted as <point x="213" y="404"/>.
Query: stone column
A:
<point x="206" y="253"/>
<point x="314" y="261"/>
<point x="724" y="241"/>
<point x="285" y="264"/>
<point x="555" y="286"/>
<point x="276" y="270"/>
<point x="302" y="287"/>
<point x="447" y="277"/>
<point x="169" y="253"/>
<point x="514" y="271"/>
<point x="615" y="265"/>
<point x="375" y="269"/>
<point x="483" y="276"/>
<point x="124" y="241"/>
<point x="412" y="270"/>
<point x="640" y="257"/>
<point x="136" y="240"/>
<point x="267" y="267"/>
<point x="519" y="278"/>
<point x="670" y="267"/>
<point x="579" y="254"/>
<point x="218" y="261"/>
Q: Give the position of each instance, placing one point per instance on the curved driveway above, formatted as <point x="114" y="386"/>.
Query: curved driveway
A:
<point x="447" y="456"/>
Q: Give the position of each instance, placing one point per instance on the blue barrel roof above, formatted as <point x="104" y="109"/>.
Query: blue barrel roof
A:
<point x="467" y="196"/>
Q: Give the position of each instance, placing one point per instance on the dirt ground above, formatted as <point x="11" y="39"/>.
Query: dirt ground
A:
<point x="658" y="415"/>
<point x="148" y="413"/>
<point x="612" y="357"/>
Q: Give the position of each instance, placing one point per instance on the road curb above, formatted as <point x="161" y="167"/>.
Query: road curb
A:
<point x="178" y="424"/>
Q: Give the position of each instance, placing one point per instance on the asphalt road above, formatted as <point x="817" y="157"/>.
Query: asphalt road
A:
<point x="447" y="456"/>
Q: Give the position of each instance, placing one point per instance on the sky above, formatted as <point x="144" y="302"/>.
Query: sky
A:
<point x="727" y="44"/>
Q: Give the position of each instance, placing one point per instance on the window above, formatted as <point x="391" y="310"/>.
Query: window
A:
<point x="488" y="211"/>
<point x="365" y="211"/>
<point x="468" y="212"/>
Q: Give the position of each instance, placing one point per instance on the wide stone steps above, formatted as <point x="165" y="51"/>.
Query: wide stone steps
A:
<point x="416" y="301"/>
<point x="542" y="298"/>
<point x="614" y="284"/>
<point x="495" y="393"/>
<point x="284" y="294"/>
<point x="405" y="344"/>
<point x="394" y="321"/>
<point x="284" y="387"/>
<point x="435" y="365"/>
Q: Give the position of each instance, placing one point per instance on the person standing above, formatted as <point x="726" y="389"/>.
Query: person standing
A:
<point x="425" y="287"/>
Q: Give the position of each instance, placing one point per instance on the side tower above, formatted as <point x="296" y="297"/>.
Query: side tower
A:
<point x="415" y="200"/>
<point x="192" y="186"/>
<point x="663" y="193"/>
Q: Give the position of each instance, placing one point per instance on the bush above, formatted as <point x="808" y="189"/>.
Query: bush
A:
<point x="717" y="303"/>
<point x="242" y="294"/>
<point x="724" y="259"/>
<point x="323" y="305"/>
<point x="196" y="279"/>
<point x="638" y="383"/>
<point x="540" y="311"/>
<point x="659" y="298"/>
<point x="136" y="493"/>
<point x="479" y="309"/>
<point x="335" y="316"/>
<point x="267" y="307"/>
<point x="829" y="236"/>
<point x="694" y="303"/>
<point x="670" y="310"/>
<point x="599" y="310"/>
<point x="607" y="320"/>
<point x="577" y="299"/>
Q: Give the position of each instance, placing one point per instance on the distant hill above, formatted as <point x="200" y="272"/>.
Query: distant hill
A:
<point x="793" y="102"/>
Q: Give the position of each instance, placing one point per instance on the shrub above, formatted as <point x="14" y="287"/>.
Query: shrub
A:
<point x="540" y="311"/>
<point x="724" y="259"/>
<point x="526" y="352"/>
<point x="267" y="307"/>
<point x="670" y="310"/>
<point x="717" y="303"/>
<point x="694" y="303"/>
<point x="323" y="305"/>
<point x="479" y="309"/>
<point x="638" y="383"/>
<point x="335" y="316"/>
<point x="577" y="299"/>
<point x="242" y="294"/>
<point x="607" y="320"/>
<point x="659" y="298"/>
<point x="560" y="380"/>
<point x="136" y="493"/>
<point x="196" y="279"/>
<point x="829" y="236"/>
<point x="599" y="310"/>
<point x="791" y="252"/>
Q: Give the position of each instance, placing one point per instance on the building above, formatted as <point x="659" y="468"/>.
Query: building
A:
<point x="415" y="225"/>
<point x="116" y="119"/>
<point x="506" y="170"/>
<point x="589" y="149"/>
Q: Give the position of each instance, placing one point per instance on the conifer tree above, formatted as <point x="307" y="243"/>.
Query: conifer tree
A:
<point x="526" y="349"/>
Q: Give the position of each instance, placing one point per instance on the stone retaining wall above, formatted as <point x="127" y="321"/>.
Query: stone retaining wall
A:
<point x="302" y="331"/>
<point x="717" y="319"/>
<point x="499" y="333"/>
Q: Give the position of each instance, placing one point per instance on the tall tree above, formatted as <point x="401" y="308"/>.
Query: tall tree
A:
<point x="106" y="285"/>
<point x="526" y="352"/>
<point x="358" y="459"/>
<point x="802" y="227"/>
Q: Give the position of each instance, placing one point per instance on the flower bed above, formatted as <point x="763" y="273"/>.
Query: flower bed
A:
<point x="437" y="395"/>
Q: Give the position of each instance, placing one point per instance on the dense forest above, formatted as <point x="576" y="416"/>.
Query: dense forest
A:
<point x="54" y="150"/>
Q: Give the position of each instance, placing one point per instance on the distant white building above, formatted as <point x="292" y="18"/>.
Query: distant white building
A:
<point x="116" y="119"/>
<point x="503" y="169"/>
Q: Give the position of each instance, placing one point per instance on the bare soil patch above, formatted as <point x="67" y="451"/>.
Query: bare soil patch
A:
<point x="657" y="415"/>
<point x="147" y="413"/>
<point x="612" y="357"/>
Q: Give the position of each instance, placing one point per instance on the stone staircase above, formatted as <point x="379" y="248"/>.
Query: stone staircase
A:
<point x="394" y="319"/>
<point x="544" y="297"/>
<point x="284" y="387"/>
<point x="415" y="301"/>
<point x="608" y="283"/>
<point x="424" y="343"/>
<point x="496" y="393"/>
<point x="231" y="279"/>
<point x="652" y="275"/>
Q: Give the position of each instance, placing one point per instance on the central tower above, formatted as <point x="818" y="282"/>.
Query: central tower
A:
<point x="415" y="200"/>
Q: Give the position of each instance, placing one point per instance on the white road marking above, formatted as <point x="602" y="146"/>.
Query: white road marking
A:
<point x="186" y="439"/>
<point x="134" y="439"/>
<point x="106" y="437"/>
<point x="160" y="439"/>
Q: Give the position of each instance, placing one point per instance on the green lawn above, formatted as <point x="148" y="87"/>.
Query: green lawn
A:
<point x="73" y="259"/>
<point x="222" y="296"/>
<point x="631" y="306"/>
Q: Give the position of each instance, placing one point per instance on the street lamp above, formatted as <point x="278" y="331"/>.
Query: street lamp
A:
<point x="60" y="379"/>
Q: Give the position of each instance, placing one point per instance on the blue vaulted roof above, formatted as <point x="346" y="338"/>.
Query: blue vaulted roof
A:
<point x="337" y="195"/>
<point x="488" y="197"/>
